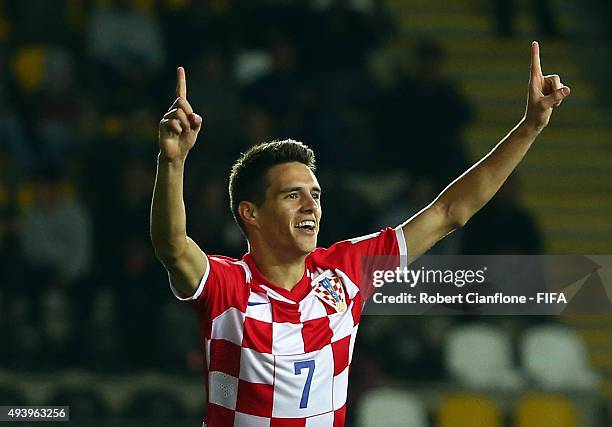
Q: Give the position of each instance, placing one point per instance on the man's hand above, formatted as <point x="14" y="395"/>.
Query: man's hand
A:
<point x="545" y="93"/>
<point x="179" y="127"/>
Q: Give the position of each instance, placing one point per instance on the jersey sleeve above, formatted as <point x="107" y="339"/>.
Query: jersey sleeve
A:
<point x="359" y="257"/>
<point x="223" y="285"/>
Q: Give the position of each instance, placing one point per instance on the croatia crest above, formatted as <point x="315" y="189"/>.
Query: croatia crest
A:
<point x="329" y="289"/>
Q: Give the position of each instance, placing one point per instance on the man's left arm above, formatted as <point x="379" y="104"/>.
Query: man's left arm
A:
<point x="472" y="190"/>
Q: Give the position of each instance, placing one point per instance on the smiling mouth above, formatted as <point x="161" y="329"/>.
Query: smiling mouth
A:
<point x="307" y="226"/>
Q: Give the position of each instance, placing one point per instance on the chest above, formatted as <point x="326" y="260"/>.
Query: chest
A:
<point x="276" y="327"/>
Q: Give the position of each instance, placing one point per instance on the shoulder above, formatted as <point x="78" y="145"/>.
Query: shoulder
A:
<point x="230" y="266"/>
<point x="382" y="241"/>
<point x="225" y="283"/>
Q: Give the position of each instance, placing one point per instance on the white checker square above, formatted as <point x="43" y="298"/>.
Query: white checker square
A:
<point x="259" y="307"/>
<point x="340" y="388"/>
<point x="351" y="288"/>
<point x="342" y="324"/>
<point x="352" y="343"/>
<point x="207" y="355"/>
<point x="303" y="384"/>
<point x="256" y="367"/>
<point x="323" y="420"/>
<point x="223" y="389"/>
<point x="246" y="420"/>
<point x="229" y="326"/>
<point x="311" y="308"/>
<point x="287" y="338"/>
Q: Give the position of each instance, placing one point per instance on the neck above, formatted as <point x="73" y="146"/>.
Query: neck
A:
<point x="283" y="272"/>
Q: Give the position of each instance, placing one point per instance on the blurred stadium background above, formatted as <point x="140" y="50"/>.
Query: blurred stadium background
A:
<point x="396" y="97"/>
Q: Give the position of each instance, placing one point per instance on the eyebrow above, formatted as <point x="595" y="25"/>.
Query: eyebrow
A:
<point x="292" y="189"/>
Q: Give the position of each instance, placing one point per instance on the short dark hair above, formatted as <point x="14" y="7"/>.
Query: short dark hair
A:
<point x="248" y="179"/>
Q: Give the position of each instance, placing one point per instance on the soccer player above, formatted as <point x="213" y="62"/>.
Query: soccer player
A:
<point x="278" y="326"/>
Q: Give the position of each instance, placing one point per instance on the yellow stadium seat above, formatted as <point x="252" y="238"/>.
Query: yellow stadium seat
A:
<point x="468" y="410"/>
<point x="546" y="410"/>
<point x="29" y="67"/>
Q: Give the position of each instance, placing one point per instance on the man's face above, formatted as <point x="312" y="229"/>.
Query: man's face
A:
<point x="289" y="217"/>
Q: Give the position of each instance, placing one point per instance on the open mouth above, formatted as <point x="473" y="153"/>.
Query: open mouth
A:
<point x="306" y="225"/>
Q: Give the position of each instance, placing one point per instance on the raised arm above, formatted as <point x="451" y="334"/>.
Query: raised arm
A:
<point x="178" y="131"/>
<point x="472" y="190"/>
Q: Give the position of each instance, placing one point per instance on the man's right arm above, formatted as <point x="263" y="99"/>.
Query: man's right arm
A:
<point x="178" y="130"/>
<point x="182" y="258"/>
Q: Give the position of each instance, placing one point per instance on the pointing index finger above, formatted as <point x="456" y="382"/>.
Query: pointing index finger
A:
<point x="181" y="83"/>
<point x="536" y="69"/>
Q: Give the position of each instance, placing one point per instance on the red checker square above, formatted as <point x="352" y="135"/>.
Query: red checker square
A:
<point x="316" y="334"/>
<point x="255" y="399"/>
<point x="288" y="422"/>
<point x="219" y="416"/>
<point x="341" y="354"/>
<point x="225" y="357"/>
<point x="339" y="417"/>
<point x="357" y="308"/>
<point x="283" y="312"/>
<point x="257" y="335"/>
<point x="329" y="309"/>
<point x="239" y="298"/>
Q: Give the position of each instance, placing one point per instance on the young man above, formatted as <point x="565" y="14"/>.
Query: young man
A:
<point x="278" y="326"/>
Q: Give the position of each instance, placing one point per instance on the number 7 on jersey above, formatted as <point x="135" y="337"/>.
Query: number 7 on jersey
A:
<point x="298" y="366"/>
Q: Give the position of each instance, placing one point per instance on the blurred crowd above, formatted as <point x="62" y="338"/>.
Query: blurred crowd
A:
<point x="83" y="86"/>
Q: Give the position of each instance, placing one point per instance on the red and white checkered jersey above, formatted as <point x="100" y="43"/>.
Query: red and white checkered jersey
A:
<point x="275" y="357"/>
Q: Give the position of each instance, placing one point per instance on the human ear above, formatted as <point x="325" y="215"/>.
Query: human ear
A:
<point x="248" y="213"/>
